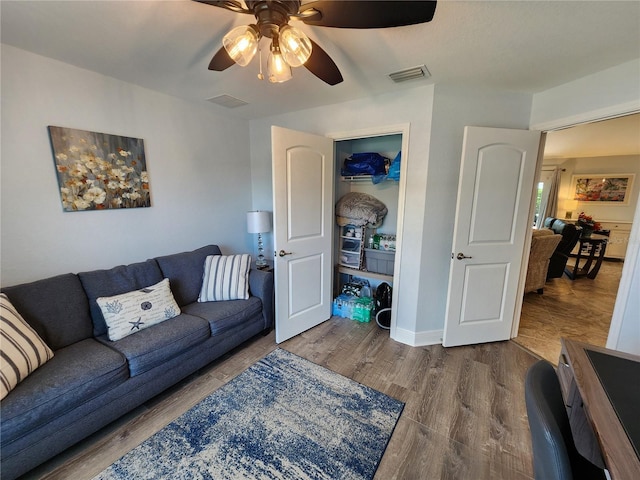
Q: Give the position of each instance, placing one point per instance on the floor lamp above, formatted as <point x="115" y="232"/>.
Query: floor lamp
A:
<point x="259" y="222"/>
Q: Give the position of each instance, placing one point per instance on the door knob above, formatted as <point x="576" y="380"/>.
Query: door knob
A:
<point x="461" y="255"/>
<point x="282" y="253"/>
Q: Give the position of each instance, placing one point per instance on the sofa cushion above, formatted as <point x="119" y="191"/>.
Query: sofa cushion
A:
<point x="155" y="345"/>
<point x="184" y="271"/>
<point x="117" y="280"/>
<point x="225" y="278"/>
<point x="73" y="376"/>
<point x="223" y="316"/>
<point x="21" y="349"/>
<point x="57" y="308"/>
<point x="131" y="312"/>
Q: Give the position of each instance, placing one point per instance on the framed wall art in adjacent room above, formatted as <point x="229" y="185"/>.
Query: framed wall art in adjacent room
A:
<point x="612" y="189"/>
<point x="99" y="171"/>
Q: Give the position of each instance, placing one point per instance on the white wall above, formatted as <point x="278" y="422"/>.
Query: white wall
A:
<point x="437" y="116"/>
<point x="198" y="164"/>
<point x="454" y="108"/>
<point x="611" y="92"/>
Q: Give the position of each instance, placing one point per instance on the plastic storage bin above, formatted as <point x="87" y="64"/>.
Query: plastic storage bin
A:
<point x="379" y="261"/>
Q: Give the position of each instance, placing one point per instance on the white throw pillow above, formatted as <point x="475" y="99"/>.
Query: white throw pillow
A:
<point x="225" y="278"/>
<point x="131" y="312"/>
<point x="21" y="349"/>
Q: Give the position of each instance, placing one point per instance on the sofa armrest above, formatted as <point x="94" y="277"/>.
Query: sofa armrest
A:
<point x="261" y="286"/>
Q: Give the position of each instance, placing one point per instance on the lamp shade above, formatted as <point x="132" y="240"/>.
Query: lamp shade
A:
<point x="241" y="43"/>
<point x="258" y="222"/>
<point x="295" y="46"/>
<point x="278" y="70"/>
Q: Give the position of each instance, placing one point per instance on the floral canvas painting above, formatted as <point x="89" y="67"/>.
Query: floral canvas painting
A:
<point x="612" y="189"/>
<point x="99" y="171"/>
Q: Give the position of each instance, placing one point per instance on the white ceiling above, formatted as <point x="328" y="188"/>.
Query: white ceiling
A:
<point x="618" y="136"/>
<point x="526" y="46"/>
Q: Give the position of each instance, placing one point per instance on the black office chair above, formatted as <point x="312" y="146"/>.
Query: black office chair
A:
<point x="554" y="454"/>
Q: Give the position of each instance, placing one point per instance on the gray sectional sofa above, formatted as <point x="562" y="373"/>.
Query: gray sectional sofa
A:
<point x="91" y="380"/>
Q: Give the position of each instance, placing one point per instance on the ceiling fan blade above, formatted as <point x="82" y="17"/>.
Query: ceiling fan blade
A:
<point x="232" y="5"/>
<point x="368" y="14"/>
<point x="321" y="65"/>
<point x="221" y="61"/>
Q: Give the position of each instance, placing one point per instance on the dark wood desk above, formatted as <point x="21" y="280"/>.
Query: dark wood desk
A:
<point x="595" y="245"/>
<point x="586" y="397"/>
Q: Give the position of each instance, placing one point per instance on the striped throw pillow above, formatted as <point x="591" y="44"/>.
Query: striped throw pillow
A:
<point x="226" y="277"/>
<point x="21" y="349"/>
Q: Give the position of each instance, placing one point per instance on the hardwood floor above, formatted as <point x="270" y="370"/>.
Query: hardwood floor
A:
<point x="578" y="309"/>
<point x="464" y="417"/>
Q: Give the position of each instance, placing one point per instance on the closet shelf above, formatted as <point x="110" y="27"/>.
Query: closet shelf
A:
<point x="365" y="274"/>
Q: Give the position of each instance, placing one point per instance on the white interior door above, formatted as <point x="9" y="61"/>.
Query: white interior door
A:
<point x="492" y="220"/>
<point x="303" y="168"/>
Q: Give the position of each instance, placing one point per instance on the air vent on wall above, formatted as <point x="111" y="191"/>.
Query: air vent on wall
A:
<point x="227" y="101"/>
<point x="410" y="73"/>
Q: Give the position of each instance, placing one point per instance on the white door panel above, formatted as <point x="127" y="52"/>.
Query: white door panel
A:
<point x="303" y="167"/>
<point x="494" y="193"/>
<point x="305" y="186"/>
<point x="301" y="298"/>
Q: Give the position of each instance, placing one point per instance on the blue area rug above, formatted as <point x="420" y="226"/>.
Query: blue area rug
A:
<point x="282" y="418"/>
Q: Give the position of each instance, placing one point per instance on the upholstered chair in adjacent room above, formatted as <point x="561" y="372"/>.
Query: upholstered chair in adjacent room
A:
<point x="570" y="236"/>
<point x="543" y="244"/>
<point x="554" y="453"/>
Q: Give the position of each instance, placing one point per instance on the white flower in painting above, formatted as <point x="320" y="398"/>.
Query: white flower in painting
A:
<point x="95" y="195"/>
<point x="61" y="156"/>
<point x="112" y="156"/>
<point x="113" y="185"/>
<point x="74" y="182"/>
<point x="74" y="149"/>
<point x="117" y="174"/>
<point x="120" y="162"/>
<point x="124" y="153"/>
<point x="144" y="176"/>
<point x="65" y="191"/>
<point x="132" y="195"/>
<point x="81" y="204"/>
<point x="94" y="147"/>
<point x="116" y="202"/>
<point x="128" y="169"/>
<point x="78" y="170"/>
<point x="104" y="165"/>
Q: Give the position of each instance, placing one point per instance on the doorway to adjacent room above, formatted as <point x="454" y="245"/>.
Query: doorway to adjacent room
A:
<point x="580" y="309"/>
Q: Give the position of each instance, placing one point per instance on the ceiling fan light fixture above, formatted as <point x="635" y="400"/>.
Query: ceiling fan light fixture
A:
<point x="278" y="70"/>
<point x="295" y="45"/>
<point x="241" y="43"/>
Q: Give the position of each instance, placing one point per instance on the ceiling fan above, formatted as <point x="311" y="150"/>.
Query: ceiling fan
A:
<point x="290" y="47"/>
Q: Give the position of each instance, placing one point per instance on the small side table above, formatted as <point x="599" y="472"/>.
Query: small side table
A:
<point x="595" y="245"/>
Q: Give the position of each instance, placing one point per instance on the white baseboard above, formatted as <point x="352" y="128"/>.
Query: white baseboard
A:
<point x="417" y="339"/>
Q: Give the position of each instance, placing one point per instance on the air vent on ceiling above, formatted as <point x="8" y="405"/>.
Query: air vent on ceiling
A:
<point x="410" y="73"/>
<point x="227" y="101"/>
